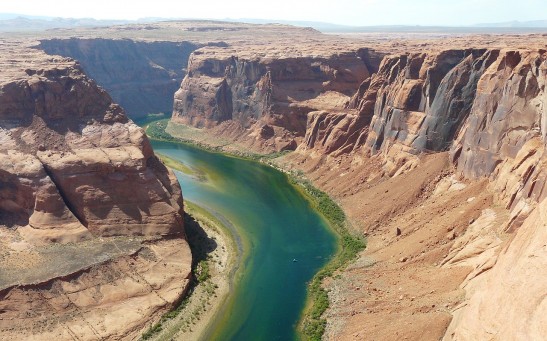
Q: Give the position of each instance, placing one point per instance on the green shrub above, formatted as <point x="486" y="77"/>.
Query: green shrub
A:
<point x="313" y="325"/>
<point x="202" y="271"/>
<point x="156" y="131"/>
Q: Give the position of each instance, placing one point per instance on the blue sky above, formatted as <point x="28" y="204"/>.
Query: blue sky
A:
<point x="349" y="12"/>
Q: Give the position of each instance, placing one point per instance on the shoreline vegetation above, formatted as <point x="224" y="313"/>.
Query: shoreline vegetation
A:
<point x="215" y="260"/>
<point x="311" y="325"/>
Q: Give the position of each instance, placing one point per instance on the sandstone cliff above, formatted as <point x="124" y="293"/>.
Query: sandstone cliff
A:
<point x="487" y="108"/>
<point x="444" y="146"/>
<point x="267" y="99"/>
<point x="88" y="213"/>
<point x="140" y="75"/>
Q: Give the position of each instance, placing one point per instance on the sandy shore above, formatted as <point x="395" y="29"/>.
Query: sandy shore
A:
<point x="201" y="306"/>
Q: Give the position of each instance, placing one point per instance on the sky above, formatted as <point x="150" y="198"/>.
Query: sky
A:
<point x="345" y="12"/>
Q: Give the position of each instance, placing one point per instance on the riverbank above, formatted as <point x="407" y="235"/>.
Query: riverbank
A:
<point x="216" y="255"/>
<point x="311" y="325"/>
<point x="161" y="129"/>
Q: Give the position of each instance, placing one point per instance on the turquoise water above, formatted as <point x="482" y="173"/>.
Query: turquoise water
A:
<point x="277" y="227"/>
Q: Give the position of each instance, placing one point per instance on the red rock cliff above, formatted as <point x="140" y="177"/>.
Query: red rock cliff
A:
<point x="63" y="138"/>
<point x="483" y="106"/>
<point x="486" y="107"/>
<point x="88" y="214"/>
<point x="268" y="96"/>
<point x="140" y="75"/>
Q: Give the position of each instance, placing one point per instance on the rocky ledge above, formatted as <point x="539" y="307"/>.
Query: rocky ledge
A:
<point x="77" y="175"/>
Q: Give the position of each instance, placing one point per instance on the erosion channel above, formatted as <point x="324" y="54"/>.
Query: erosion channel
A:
<point x="284" y="240"/>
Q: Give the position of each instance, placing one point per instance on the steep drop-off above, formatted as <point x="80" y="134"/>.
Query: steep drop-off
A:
<point x="456" y="132"/>
<point x="140" y="75"/>
<point x="487" y="108"/>
<point x="265" y="100"/>
<point x="88" y="213"/>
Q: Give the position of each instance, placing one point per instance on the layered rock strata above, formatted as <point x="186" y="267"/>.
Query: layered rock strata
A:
<point x="75" y="171"/>
<point x="457" y="132"/>
<point x="267" y="97"/>
<point x="486" y="108"/>
<point x="140" y="75"/>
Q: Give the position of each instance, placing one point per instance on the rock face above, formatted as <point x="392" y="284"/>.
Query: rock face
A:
<point x="75" y="173"/>
<point x="505" y="134"/>
<point x="515" y="280"/>
<point x="416" y="102"/>
<point x="484" y="107"/>
<point x="140" y="75"/>
<point x="116" y="299"/>
<point x="67" y="149"/>
<point x="425" y="98"/>
<point x="262" y="93"/>
<point x="343" y="131"/>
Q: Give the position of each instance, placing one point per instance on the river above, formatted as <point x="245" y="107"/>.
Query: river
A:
<point x="285" y="241"/>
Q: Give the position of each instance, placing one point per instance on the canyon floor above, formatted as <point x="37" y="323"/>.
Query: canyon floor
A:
<point x="424" y="231"/>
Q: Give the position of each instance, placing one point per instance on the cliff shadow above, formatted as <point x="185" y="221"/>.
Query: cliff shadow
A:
<point x="200" y="243"/>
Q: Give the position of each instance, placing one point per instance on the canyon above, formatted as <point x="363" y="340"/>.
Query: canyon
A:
<point x="432" y="145"/>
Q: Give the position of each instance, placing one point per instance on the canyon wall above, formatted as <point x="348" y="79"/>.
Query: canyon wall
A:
<point x="471" y="119"/>
<point x="88" y="213"/>
<point x="139" y="75"/>
<point x="264" y="97"/>
<point x="487" y="108"/>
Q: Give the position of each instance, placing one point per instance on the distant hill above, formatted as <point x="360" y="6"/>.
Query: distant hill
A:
<point x="438" y="29"/>
<point x="10" y="22"/>
<point x="515" y="23"/>
<point x="538" y="26"/>
<point x="318" y="25"/>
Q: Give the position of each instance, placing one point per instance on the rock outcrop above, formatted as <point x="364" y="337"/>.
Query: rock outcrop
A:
<point x="140" y="75"/>
<point x="264" y="94"/>
<point x="505" y="134"/>
<point x="75" y="175"/>
<point x="508" y="302"/>
<point x="72" y="151"/>
<point x="485" y="106"/>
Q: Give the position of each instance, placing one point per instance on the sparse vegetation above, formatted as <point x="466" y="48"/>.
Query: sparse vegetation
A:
<point x="156" y="131"/>
<point x="201" y="246"/>
<point x="202" y="271"/>
<point x="313" y="325"/>
<point x="143" y="121"/>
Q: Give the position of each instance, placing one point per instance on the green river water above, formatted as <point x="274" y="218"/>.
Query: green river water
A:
<point x="284" y="240"/>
